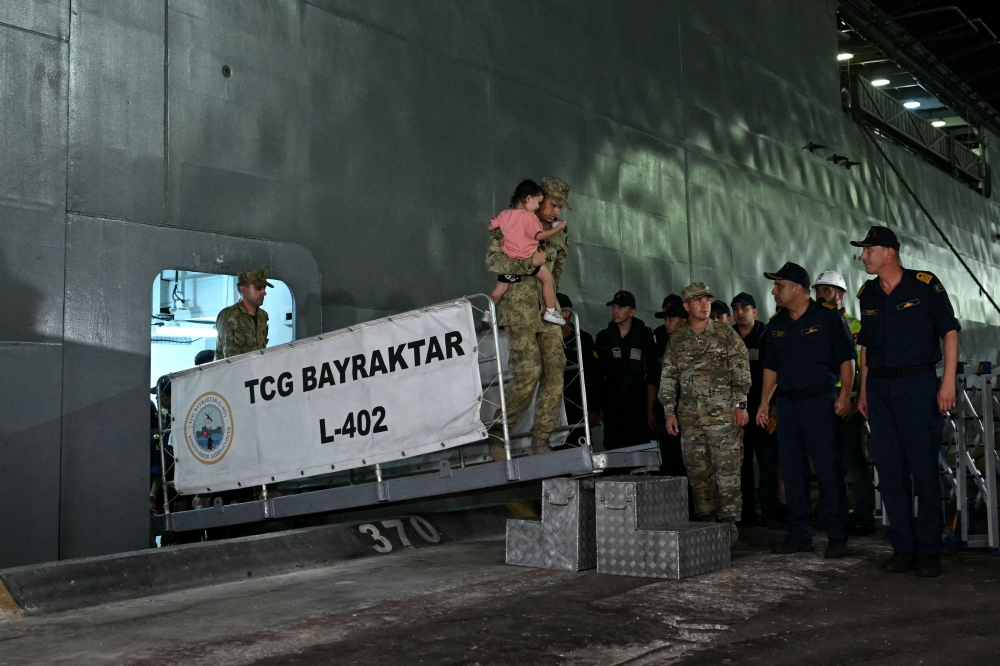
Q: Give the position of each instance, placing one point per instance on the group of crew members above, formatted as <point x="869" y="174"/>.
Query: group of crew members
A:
<point x="718" y="389"/>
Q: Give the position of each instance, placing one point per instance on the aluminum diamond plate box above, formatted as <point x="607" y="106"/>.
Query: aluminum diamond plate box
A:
<point x="642" y="530"/>
<point x="564" y="538"/>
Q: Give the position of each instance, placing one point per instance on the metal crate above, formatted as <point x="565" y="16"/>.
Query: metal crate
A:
<point x="642" y="530"/>
<point x="564" y="538"/>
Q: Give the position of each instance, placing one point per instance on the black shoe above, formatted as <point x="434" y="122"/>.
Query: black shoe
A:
<point x="836" y="549"/>
<point x="928" y="566"/>
<point x="772" y="523"/>
<point x="792" y="545"/>
<point x="898" y="563"/>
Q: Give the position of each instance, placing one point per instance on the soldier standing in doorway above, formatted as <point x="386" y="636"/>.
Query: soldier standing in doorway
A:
<point x="706" y="376"/>
<point x="242" y="326"/>
<point x="536" y="347"/>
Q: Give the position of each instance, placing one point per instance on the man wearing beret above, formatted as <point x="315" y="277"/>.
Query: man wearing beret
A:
<point x="705" y="378"/>
<point x="809" y="347"/>
<point x="242" y="326"/>
<point x="905" y="317"/>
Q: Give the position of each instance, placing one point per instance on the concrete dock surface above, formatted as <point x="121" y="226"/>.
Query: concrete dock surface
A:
<point x="458" y="603"/>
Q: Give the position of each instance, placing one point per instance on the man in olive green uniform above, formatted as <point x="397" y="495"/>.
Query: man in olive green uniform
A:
<point x="536" y="347"/>
<point x="706" y="376"/>
<point x="242" y="326"/>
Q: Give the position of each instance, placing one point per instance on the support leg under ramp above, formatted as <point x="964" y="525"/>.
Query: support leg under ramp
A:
<point x="564" y="538"/>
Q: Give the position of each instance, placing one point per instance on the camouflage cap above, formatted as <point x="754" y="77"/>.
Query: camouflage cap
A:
<point x="557" y="190"/>
<point x="696" y="290"/>
<point x="255" y="276"/>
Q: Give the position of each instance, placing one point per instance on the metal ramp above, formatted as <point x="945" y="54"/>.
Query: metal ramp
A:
<point x="462" y="469"/>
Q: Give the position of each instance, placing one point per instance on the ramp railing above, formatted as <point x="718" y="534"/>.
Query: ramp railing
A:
<point x="970" y="463"/>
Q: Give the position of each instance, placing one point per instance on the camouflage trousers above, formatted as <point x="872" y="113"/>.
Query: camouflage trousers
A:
<point x="713" y="456"/>
<point x="536" y="358"/>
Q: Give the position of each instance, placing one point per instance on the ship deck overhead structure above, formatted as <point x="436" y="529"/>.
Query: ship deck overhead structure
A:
<point x="926" y="74"/>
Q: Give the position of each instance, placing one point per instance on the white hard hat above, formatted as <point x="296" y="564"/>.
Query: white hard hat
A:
<point x="830" y="279"/>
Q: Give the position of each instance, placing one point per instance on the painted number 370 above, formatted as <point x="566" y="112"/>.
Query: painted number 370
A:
<point x="381" y="544"/>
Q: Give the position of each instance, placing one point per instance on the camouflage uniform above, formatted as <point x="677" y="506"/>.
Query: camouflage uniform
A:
<point x="556" y="247"/>
<point x="238" y="332"/>
<point x="704" y="375"/>
<point x="536" y="347"/>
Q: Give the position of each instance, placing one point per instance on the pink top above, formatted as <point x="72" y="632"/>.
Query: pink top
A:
<point x="519" y="228"/>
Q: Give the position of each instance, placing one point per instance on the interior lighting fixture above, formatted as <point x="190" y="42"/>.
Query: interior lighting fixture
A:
<point x="911" y="105"/>
<point x="878" y="83"/>
<point x="844" y="56"/>
<point x="939" y="123"/>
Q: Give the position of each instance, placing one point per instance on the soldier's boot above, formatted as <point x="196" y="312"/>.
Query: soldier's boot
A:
<point x="539" y="446"/>
<point x="734" y="534"/>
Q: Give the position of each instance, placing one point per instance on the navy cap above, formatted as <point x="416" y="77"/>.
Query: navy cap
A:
<point x="673" y="306"/>
<point x="564" y="302"/>
<point x="879" y="236"/>
<point x="792" y="273"/>
<point x="163" y="383"/>
<point x="204" y="356"/>
<point x="719" y="308"/>
<point x="623" y="299"/>
<point x="744" y="298"/>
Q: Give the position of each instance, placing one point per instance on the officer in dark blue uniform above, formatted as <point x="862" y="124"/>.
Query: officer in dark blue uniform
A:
<point x="674" y="318"/>
<point x="757" y="441"/>
<point x="625" y="353"/>
<point x="904" y="315"/>
<point x="809" y="348"/>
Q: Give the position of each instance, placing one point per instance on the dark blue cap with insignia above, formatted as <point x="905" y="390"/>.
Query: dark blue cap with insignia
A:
<point x="879" y="236"/>
<point x="673" y="306"/>
<point x="623" y="299"/>
<point x="162" y="384"/>
<point x="744" y="298"/>
<point x="792" y="273"/>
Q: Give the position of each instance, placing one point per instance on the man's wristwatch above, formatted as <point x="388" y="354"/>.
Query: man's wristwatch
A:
<point x="741" y="405"/>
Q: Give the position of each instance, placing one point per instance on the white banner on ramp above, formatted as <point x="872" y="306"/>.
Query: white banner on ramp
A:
<point x="385" y="390"/>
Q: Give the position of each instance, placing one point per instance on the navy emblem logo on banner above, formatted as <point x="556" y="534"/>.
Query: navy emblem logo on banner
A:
<point x="208" y="428"/>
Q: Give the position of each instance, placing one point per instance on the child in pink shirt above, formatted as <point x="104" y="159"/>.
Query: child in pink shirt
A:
<point x="521" y="232"/>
